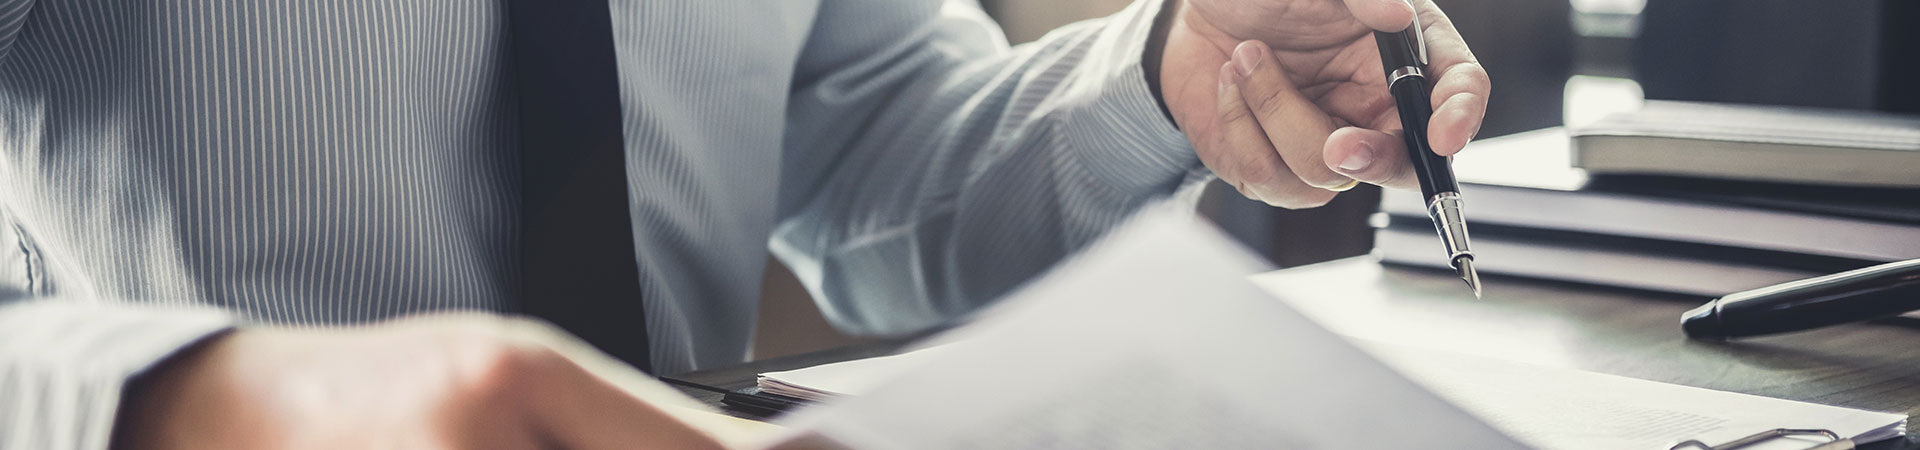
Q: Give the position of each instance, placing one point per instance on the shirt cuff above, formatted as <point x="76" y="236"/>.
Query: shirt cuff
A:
<point x="1120" y="132"/>
<point x="63" y="365"/>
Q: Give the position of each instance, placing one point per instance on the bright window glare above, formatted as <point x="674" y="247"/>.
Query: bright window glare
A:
<point x="1589" y="98"/>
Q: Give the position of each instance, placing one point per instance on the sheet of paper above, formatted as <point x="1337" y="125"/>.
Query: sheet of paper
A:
<point x="1558" y="408"/>
<point x="1152" y="339"/>
<point x="1155" y="340"/>
<point x="828" y="381"/>
<point x="1544" y="407"/>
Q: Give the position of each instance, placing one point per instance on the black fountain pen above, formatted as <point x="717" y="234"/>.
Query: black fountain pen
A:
<point x="1871" y="293"/>
<point x="1405" y="56"/>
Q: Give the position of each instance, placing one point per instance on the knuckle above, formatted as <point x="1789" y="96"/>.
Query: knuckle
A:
<point x="1255" y="172"/>
<point x="1233" y="112"/>
<point x="1269" y="101"/>
<point x="1473" y="74"/>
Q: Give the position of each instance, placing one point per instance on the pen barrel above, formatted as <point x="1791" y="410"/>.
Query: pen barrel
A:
<point x="1397" y="49"/>
<point x="1871" y="293"/>
<point x="1411" y="94"/>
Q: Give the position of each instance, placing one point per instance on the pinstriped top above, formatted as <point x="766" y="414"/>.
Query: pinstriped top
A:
<point x="169" y="168"/>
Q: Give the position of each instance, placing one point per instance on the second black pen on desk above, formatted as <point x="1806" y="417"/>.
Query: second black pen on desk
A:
<point x="1880" y="291"/>
<point x="1405" y="56"/>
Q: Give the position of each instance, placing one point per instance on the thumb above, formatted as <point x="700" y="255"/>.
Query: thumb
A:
<point x="1372" y="156"/>
<point x="1383" y="15"/>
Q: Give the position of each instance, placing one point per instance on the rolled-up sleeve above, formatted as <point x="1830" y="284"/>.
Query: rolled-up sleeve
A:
<point x="64" y="363"/>
<point x="931" y="168"/>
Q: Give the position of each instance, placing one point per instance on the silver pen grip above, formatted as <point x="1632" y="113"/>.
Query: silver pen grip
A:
<point x="1445" y="211"/>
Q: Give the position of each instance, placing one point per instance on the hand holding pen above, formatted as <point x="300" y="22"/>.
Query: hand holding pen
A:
<point x="1404" y="55"/>
<point x="1299" y="105"/>
<point x="1294" y="104"/>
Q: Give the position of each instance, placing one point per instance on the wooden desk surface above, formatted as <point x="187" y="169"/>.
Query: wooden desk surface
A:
<point x="1873" y="366"/>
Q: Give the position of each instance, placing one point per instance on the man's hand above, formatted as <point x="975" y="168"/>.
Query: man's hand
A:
<point x="412" y="384"/>
<point x="1287" y="100"/>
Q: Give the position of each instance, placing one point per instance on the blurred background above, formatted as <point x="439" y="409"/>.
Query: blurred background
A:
<point x="1553" y="62"/>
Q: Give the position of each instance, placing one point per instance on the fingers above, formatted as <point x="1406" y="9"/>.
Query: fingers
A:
<point x="1296" y="126"/>
<point x="1383" y="15"/>
<point x="1455" y="122"/>
<point x="1371" y="156"/>
<point x="1461" y="85"/>
<point x="1241" y="154"/>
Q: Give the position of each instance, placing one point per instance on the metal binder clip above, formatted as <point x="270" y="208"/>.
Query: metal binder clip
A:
<point x="1835" y="442"/>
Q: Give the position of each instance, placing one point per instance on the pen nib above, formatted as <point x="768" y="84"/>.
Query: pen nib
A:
<point x="1464" y="266"/>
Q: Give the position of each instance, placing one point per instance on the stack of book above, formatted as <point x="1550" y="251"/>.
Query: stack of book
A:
<point x="1686" y="198"/>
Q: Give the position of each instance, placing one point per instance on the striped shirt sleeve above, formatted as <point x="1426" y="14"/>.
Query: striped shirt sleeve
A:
<point x="931" y="168"/>
<point x="64" y="363"/>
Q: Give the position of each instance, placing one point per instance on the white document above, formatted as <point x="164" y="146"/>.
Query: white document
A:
<point x="1557" y="408"/>
<point x="1544" y="407"/>
<point x="1153" y="339"/>
<point x="829" y="381"/>
<point x="1156" y="339"/>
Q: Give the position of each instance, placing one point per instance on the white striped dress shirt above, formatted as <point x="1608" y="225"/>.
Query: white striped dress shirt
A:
<point x="173" y="168"/>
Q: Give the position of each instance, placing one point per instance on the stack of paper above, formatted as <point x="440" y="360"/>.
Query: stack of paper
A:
<point x="829" y="381"/>
<point x="1755" y="142"/>
<point x="1534" y="215"/>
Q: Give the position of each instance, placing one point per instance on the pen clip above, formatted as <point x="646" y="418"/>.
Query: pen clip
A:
<point x="1417" y="39"/>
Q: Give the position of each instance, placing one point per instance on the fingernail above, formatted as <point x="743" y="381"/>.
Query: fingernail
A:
<point x="1228" y="75"/>
<point x="1358" y="160"/>
<point x="1246" y="57"/>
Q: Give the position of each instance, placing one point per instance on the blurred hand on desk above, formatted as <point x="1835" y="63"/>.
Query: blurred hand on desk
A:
<point x="422" y="383"/>
<point x="1286" y="99"/>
